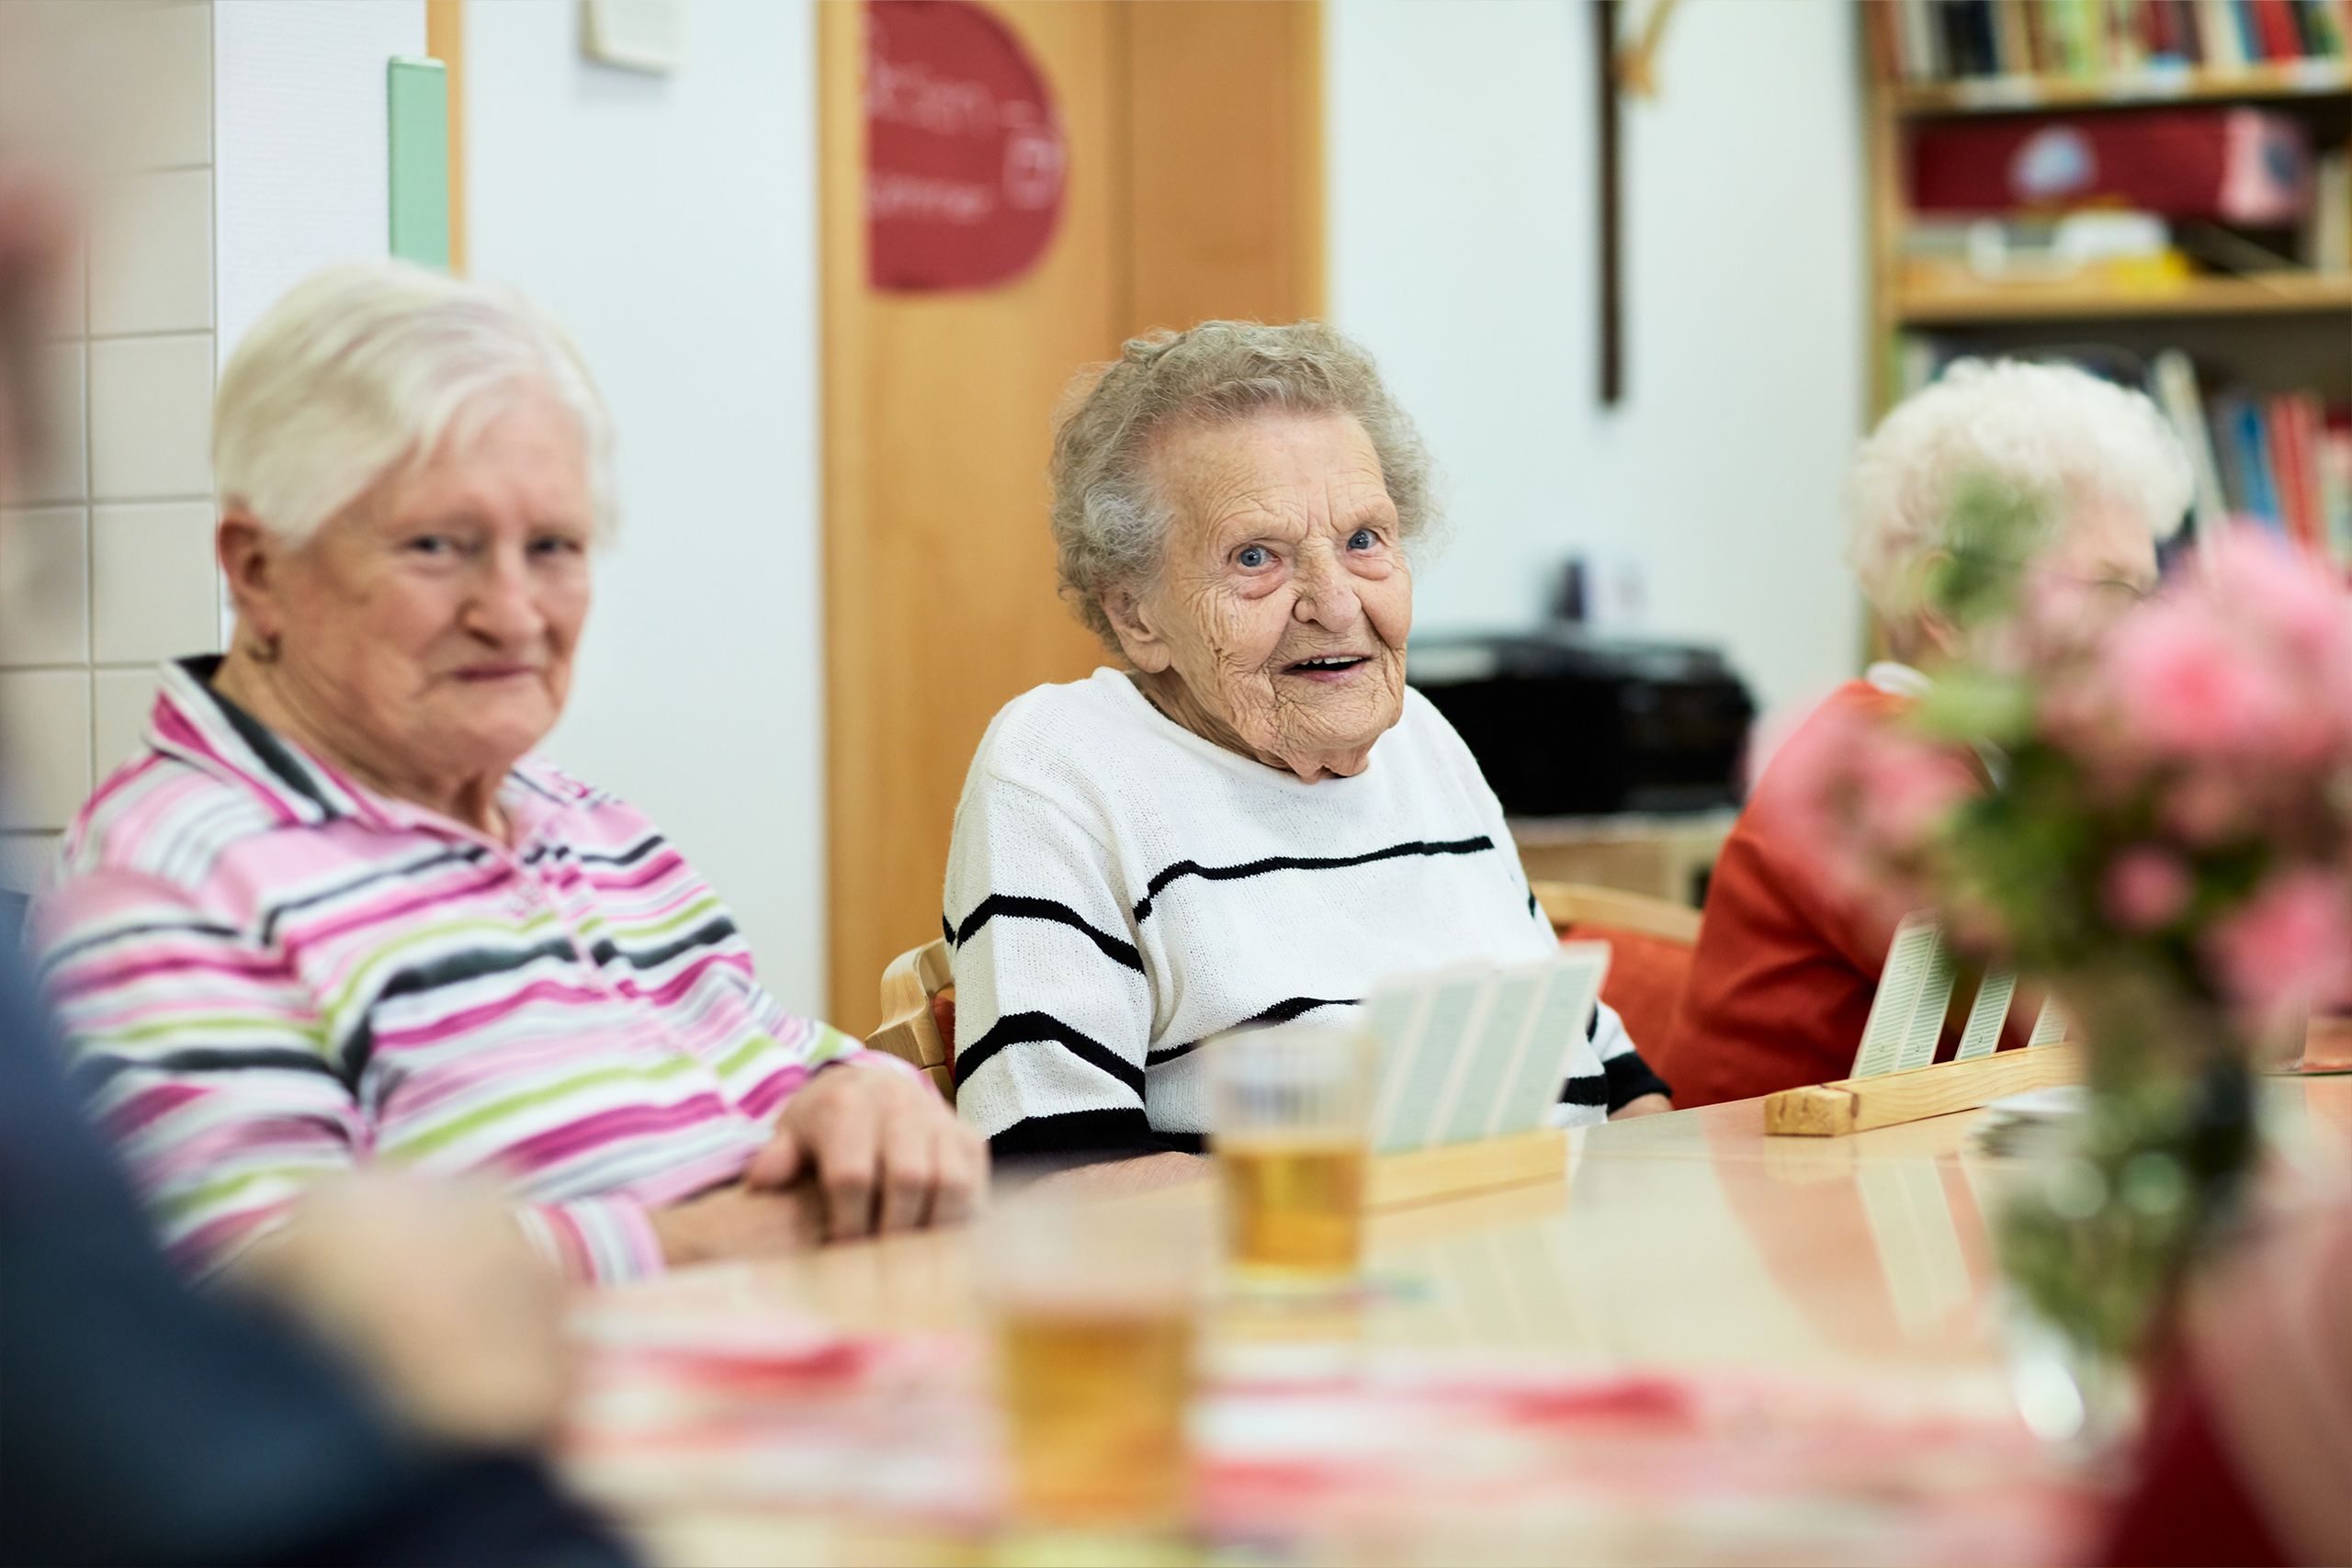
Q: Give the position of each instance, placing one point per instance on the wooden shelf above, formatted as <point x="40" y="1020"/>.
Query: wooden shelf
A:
<point x="1995" y="303"/>
<point x="2026" y="95"/>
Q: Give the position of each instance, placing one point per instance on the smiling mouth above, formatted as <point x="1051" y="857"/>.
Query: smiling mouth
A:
<point x="1327" y="664"/>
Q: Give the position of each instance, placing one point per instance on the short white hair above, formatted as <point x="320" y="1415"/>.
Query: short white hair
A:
<point x="365" y="369"/>
<point x="2055" y="435"/>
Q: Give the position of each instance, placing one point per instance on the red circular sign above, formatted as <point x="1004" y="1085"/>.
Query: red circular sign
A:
<point x="964" y="151"/>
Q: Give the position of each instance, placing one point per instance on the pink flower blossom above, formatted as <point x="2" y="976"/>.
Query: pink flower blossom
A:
<point x="2205" y="807"/>
<point x="2186" y="685"/>
<point x="2291" y="945"/>
<point x="2294" y="602"/>
<point x="2146" y="888"/>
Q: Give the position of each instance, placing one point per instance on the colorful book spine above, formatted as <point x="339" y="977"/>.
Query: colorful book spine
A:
<point x="2175" y="390"/>
<point x="2335" y="467"/>
<point x="2292" y="453"/>
<point x="2248" y="431"/>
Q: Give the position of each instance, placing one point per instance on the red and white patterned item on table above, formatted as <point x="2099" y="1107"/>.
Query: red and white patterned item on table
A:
<point x="1405" y="1457"/>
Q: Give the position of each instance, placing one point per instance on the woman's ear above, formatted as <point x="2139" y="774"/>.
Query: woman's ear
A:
<point x="252" y="561"/>
<point x="1145" y="647"/>
<point x="1942" y="591"/>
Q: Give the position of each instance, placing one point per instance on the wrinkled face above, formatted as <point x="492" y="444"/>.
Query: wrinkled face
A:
<point x="2106" y="559"/>
<point x="436" y="623"/>
<point x="2102" y="562"/>
<point x="1284" y="597"/>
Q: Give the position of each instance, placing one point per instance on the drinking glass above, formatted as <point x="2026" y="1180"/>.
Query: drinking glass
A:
<point x="1292" y="1108"/>
<point x="1095" y="1307"/>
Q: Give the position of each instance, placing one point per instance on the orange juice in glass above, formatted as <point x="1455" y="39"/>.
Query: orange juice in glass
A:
<point x="1291" y="1107"/>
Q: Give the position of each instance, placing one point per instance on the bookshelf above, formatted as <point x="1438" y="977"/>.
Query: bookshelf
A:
<point x="2282" y="329"/>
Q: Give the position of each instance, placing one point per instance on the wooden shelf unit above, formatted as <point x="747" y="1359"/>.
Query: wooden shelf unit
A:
<point x="2035" y="95"/>
<point x="2320" y="89"/>
<point x="2261" y="295"/>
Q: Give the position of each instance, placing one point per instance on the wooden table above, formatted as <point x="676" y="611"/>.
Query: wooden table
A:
<point x="1677" y="1242"/>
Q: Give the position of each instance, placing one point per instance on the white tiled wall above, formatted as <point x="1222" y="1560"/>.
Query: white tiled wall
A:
<point x="106" y="563"/>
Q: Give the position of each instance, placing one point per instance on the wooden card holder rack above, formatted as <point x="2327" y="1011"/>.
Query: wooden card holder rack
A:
<point x="1856" y="1105"/>
<point x="1414" y="1177"/>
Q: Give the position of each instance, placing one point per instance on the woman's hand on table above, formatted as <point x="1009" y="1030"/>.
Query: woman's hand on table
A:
<point x="1642" y="1105"/>
<point x="885" y="1152"/>
<point x="735" y="1222"/>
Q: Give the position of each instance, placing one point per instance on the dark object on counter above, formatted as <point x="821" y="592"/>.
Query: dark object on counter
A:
<point x="1567" y="724"/>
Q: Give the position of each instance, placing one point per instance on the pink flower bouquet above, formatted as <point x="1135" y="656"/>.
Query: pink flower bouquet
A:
<point x="2149" y="811"/>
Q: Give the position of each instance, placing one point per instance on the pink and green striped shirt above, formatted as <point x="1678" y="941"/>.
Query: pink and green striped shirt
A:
<point x="268" y="974"/>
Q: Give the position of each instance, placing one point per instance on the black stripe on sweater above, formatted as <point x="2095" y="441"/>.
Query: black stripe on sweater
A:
<point x="1304" y="862"/>
<point x="1107" y="1132"/>
<point x="1591" y="1090"/>
<point x="1630" y="1078"/>
<point x="1042" y="1028"/>
<point x="1282" y="1012"/>
<point x="1015" y="907"/>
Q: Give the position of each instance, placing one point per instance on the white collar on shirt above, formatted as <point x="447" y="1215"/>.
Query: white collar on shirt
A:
<point x="1897" y="680"/>
<point x="1902" y="680"/>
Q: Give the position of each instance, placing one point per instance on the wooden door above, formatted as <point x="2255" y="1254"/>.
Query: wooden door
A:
<point x="1193" y="189"/>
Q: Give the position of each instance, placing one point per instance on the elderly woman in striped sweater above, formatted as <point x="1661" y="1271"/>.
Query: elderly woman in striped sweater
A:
<point x="1255" y="819"/>
<point x="334" y="913"/>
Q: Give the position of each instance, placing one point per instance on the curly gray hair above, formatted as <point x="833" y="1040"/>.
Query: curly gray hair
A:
<point x="2052" y="432"/>
<point x="1110" y="524"/>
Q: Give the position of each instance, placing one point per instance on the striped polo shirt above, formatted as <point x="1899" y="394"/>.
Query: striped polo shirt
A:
<point x="268" y="974"/>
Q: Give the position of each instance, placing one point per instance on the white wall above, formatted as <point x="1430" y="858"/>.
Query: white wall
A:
<point x="301" y="142"/>
<point x="232" y="148"/>
<point x="672" y="223"/>
<point x="1464" y="254"/>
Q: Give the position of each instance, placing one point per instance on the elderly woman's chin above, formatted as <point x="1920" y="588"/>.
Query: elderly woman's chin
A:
<point x="1332" y="714"/>
<point x="489" y="725"/>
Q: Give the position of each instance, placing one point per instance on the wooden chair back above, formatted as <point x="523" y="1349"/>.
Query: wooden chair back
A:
<point x="919" y="1014"/>
<point x="1650" y="939"/>
<point x="1579" y="904"/>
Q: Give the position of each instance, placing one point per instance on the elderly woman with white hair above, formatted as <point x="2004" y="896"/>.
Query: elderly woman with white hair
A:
<point x="334" y="913"/>
<point x="1786" y="965"/>
<point x="1254" y="819"/>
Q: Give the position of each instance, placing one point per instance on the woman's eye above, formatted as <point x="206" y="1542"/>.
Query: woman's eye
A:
<point x="556" y="545"/>
<point x="1363" y="539"/>
<point x="1253" y="557"/>
<point x="434" y="544"/>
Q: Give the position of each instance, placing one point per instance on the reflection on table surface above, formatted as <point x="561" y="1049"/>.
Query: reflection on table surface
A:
<point x="1680" y="1242"/>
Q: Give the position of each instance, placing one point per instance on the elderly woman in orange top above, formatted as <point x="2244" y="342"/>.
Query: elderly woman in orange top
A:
<point x="1786" y="965"/>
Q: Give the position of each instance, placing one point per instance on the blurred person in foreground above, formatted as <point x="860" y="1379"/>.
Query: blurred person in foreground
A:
<point x="374" y="1399"/>
<point x="1253" y="820"/>
<point x="1787" y="961"/>
<point x="336" y="914"/>
<point x="2248" y="1443"/>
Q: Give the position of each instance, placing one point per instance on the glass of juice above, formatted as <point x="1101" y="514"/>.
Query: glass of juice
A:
<point x="1095" y="1305"/>
<point x="1291" y="1108"/>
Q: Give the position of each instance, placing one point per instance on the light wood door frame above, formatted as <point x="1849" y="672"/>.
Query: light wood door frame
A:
<point x="1195" y="189"/>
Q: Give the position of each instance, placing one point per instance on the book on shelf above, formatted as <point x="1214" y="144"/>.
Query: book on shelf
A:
<point x="2282" y="459"/>
<point x="2133" y="200"/>
<point x="1944" y="41"/>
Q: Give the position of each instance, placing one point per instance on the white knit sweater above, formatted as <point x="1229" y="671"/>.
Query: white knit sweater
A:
<point x="1121" y="889"/>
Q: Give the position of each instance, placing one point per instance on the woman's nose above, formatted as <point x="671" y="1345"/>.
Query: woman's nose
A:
<point x="1326" y="595"/>
<point x="505" y="607"/>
